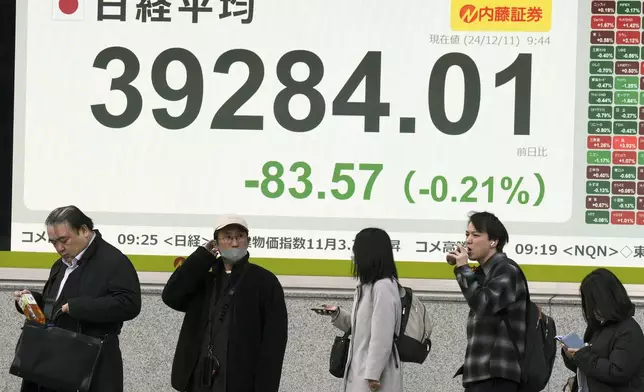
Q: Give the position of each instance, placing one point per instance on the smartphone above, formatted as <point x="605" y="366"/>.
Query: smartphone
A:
<point x="322" y="311"/>
<point x="572" y="340"/>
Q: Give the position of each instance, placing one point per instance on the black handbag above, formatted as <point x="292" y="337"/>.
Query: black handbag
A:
<point x="56" y="358"/>
<point x="339" y="355"/>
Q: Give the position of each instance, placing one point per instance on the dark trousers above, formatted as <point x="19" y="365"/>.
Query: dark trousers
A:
<point x="493" y="385"/>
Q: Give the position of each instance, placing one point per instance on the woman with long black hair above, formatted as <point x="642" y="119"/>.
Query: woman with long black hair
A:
<point x="612" y="358"/>
<point x="373" y="363"/>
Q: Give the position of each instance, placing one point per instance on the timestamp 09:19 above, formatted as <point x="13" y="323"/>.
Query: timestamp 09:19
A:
<point x="536" y="249"/>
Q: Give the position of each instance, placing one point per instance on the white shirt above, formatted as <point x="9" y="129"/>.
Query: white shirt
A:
<point x="71" y="267"/>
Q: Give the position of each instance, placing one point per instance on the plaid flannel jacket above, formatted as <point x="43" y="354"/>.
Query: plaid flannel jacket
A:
<point x="494" y="289"/>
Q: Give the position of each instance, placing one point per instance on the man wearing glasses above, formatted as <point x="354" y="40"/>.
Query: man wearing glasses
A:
<point x="234" y="331"/>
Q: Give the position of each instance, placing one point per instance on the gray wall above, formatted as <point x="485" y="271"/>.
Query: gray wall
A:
<point x="148" y="344"/>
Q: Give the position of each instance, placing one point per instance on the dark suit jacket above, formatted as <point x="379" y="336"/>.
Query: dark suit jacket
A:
<point x="102" y="293"/>
<point x="258" y="328"/>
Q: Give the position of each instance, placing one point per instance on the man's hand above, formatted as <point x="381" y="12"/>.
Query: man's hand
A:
<point x="374" y="385"/>
<point x="18" y="294"/>
<point x="211" y="247"/>
<point x="460" y="254"/>
<point x="65" y="308"/>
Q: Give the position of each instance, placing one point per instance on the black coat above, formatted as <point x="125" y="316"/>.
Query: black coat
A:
<point x="614" y="361"/>
<point x="258" y="327"/>
<point x="101" y="294"/>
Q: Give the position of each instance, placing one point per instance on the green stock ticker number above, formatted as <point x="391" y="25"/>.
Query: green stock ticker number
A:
<point x="273" y="172"/>
<point x="368" y="70"/>
<point x="503" y="189"/>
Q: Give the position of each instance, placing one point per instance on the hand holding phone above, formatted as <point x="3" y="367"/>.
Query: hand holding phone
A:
<point x="325" y="310"/>
<point x="572" y="340"/>
<point x="211" y="246"/>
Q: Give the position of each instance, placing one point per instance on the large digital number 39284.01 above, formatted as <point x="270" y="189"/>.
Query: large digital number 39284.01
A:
<point x="368" y="70"/>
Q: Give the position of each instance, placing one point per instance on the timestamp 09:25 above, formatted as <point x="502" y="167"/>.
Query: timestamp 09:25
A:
<point x="138" y="239"/>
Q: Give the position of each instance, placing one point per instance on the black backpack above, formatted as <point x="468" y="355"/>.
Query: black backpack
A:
<point x="540" y="345"/>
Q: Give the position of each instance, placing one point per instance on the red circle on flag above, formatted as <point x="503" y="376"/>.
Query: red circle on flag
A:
<point x="68" y="6"/>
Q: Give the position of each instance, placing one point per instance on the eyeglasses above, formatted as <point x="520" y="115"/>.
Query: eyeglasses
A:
<point x="227" y="239"/>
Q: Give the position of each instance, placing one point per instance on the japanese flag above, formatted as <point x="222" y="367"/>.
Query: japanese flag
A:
<point x="68" y="9"/>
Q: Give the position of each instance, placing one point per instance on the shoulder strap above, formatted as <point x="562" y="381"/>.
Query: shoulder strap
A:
<point x="513" y="336"/>
<point x="525" y="280"/>
<point x="221" y="308"/>
<point x="514" y="263"/>
<point x="511" y="333"/>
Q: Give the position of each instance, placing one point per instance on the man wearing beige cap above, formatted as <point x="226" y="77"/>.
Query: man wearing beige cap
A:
<point x="234" y="331"/>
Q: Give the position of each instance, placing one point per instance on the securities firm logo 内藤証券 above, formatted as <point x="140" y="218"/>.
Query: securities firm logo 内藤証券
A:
<point x="501" y="15"/>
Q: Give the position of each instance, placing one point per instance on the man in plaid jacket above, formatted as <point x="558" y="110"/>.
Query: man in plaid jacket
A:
<point x="493" y="290"/>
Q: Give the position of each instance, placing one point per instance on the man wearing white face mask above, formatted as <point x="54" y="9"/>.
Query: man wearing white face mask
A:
<point x="216" y="351"/>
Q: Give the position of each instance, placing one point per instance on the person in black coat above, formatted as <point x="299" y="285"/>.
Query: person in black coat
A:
<point x="236" y="348"/>
<point x="93" y="286"/>
<point x="612" y="359"/>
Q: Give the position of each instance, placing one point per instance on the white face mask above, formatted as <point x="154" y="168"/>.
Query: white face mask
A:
<point x="233" y="255"/>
